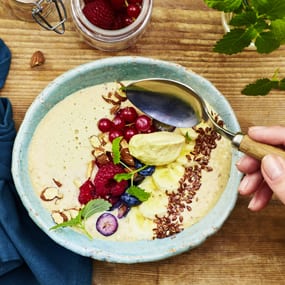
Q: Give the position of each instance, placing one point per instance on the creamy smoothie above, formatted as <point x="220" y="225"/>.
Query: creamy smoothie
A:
<point x="63" y="152"/>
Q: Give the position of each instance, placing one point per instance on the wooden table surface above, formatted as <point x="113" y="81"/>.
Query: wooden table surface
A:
<point x="250" y="247"/>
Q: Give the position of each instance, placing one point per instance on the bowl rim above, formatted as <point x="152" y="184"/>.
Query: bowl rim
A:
<point x="104" y="250"/>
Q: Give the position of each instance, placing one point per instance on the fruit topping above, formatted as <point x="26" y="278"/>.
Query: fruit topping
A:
<point x="130" y="200"/>
<point x="105" y="125"/>
<point x="105" y="184"/>
<point x="157" y="148"/>
<point x="112" y="14"/>
<point x="86" y="192"/>
<point x="107" y="224"/>
<point x="123" y="210"/>
<point x="147" y="171"/>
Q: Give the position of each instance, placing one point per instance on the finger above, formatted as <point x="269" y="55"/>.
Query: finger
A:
<point x="274" y="135"/>
<point x="248" y="164"/>
<point x="273" y="171"/>
<point x="250" y="183"/>
<point x="260" y="198"/>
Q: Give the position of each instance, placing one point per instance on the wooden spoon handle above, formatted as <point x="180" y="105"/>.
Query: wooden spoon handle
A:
<point x="258" y="150"/>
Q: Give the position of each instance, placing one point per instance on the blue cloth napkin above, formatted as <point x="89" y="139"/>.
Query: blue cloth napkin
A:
<point x="5" y="60"/>
<point x="27" y="254"/>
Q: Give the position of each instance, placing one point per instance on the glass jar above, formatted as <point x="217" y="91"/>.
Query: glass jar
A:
<point x="110" y="40"/>
<point x="50" y="14"/>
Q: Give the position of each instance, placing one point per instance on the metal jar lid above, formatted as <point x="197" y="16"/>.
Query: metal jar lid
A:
<point x="50" y="14"/>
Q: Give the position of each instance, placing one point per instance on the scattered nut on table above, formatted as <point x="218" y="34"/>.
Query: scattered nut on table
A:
<point x="37" y="59"/>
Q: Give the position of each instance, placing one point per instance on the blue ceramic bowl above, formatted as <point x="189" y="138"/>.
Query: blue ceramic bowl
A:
<point x="110" y="70"/>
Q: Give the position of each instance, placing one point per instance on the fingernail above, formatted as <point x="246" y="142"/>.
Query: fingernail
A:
<point x="273" y="166"/>
<point x="256" y="128"/>
<point x="251" y="205"/>
<point x="243" y="185"/>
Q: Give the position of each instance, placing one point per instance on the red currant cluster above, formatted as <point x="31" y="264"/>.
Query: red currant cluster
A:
<point x="126" y="123"/>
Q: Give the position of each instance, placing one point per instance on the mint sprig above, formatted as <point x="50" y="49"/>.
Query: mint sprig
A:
<point x="263" y="86"/>
<point x="136" y="191"/>
<point x="92" y="207"/>
<point x="261" y="22"/>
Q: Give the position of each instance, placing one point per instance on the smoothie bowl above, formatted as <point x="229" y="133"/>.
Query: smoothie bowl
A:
<point x="106" y="181"/>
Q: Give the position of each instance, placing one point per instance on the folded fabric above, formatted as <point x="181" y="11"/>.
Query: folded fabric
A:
<point x="5" y="59"/>
<point x="27" y="254"/>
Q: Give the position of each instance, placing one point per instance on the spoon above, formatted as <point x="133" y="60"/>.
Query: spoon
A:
<point x="176" y="104"/>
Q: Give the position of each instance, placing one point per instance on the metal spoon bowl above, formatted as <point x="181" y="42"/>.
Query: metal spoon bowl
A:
<point x="176" y="104"/>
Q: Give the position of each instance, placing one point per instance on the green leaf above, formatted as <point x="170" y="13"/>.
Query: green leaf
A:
<point x="226" y="5"/>
<point x="92" y="207"/>
<point x="70" y="223"/>
<point x="282" y="84"/>
<point x="260" y="87"/>
<point x="266" y="42"/>
<point x="116" y="150"/>
<point x="123" y="176"/>
<point x="278" y="29"/>
<point x="244" y="19"/>
<point x="95" y="206"/>
<point x="139" y="193"/>
<point x="272" y="9"/>
<point x="234" y="41"/>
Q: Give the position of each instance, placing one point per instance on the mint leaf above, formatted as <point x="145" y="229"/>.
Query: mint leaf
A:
<point x="266" y="42"/>
<point x="123" y="176"/>
<point x="226" y="6"/>
<point x="273" y="9"/>
<point x="234" y="41"/>
<point x="260" y="87"/>
<point x="244" y="19"/>
<point x="95" y="206"/>
<point x="278" y="29"/>
<point x="116" y="150"/>
<point x="92" y="207"/>
<point x="70" y="223"/>
<point x="139" y="193"/>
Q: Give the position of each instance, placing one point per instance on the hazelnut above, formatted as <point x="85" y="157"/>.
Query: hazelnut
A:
<point x="126" y="157"/>
<point x="37" y="59"/>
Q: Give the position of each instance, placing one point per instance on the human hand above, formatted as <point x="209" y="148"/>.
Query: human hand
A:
<point x="263" y="178"/>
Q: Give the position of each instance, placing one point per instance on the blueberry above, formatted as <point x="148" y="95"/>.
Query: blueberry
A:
<point x="123" y="210"/>
<point x="130" y="200"/>
<point x="107" y="224"/>
<point x="148" y="171"/>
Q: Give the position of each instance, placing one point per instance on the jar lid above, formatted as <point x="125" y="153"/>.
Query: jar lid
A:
<point x="50" y="14"/>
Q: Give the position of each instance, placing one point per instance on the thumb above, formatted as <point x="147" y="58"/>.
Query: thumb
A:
<point x="273" y="171"/>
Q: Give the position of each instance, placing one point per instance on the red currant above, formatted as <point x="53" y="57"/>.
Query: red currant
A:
<point x="143" y="123"/>
<point x="129" y="133"/>
<point x="128" y="21"/>
<point x="105" y="125"/>
<point x="133" y="10"/>
<point x="114" y="134"/>
<point x="118" y="123"/>
<point x="129" y="114"/>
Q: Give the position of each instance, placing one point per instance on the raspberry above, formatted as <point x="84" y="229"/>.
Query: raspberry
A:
<point x="87" y="192"/>
<point x="105" y="184"/>
<point x="100" y="13"/>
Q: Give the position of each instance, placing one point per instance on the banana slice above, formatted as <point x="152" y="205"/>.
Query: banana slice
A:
<point x="155" y="205"/>
<point x="167" y="178"/>
<point x="157" y="148"/>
